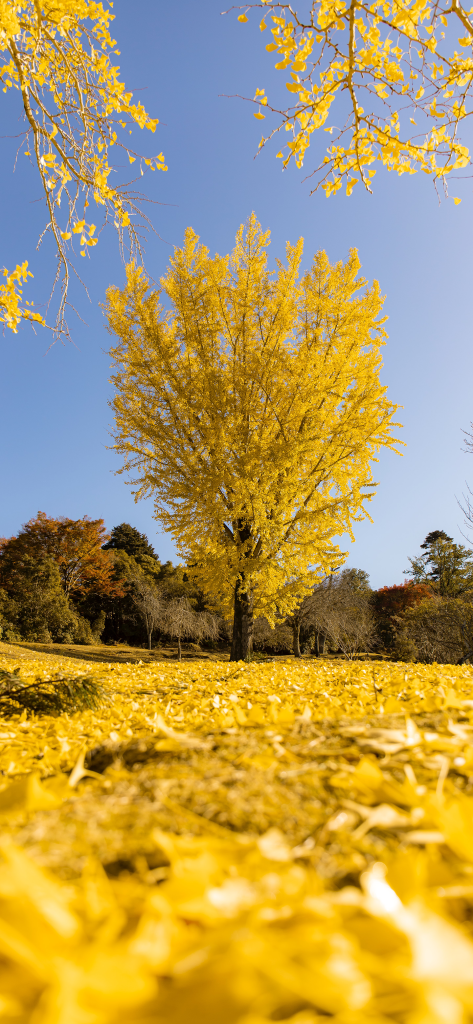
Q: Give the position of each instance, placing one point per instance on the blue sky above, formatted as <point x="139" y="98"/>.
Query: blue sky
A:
<point x="55" y="419"/>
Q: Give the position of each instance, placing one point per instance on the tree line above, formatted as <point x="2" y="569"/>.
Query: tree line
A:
<point x="428" y="618"/>
<point x="68" y="581"/>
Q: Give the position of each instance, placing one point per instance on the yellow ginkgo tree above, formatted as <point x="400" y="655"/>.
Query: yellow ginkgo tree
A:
<point x="251" y="410"/>
<point x="58" y="57"/>
<point x="389" y="80"/>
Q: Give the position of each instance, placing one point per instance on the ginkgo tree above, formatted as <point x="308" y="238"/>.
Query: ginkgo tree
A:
<point x="58" y="58"/>
<point x="389" y="80"/>
<point x="251" y="410"/>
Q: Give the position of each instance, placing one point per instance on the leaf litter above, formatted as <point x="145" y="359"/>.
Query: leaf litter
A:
<point x="239" y="843"/>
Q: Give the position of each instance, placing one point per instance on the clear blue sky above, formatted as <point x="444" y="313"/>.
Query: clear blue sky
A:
<point x="53" y="406"/>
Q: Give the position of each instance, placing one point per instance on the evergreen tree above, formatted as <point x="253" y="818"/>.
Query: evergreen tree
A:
<point x="434" y="536"/>
<point x="125" y="538"/>
<point x="446" y="567"/>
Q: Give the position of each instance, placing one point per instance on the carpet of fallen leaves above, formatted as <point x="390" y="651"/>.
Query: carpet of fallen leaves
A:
<point x="240" y="844"/>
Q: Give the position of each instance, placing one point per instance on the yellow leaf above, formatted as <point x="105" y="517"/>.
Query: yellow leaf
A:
<point x="240" y="716"/>
<point x="393" y="706"/>
<point x="452" y="700"/>
<point x="456" y="823"/>
<point x="242" y="17"/>
<point x="285" y="715"/>
<point x="259" y="116"/>
<point x="256" y="714"/>
<point x="456" y="201"/>
<point x="274" y="846"/>
<point x="28" y="792"/>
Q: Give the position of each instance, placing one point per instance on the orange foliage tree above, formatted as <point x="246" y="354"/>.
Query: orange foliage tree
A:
<point x="390" y="603"/>
<point x="76" y="547"/>
<point x="397" y="599"/>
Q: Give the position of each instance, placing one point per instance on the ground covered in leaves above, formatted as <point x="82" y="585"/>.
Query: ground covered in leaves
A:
<point x="240" y="844"/>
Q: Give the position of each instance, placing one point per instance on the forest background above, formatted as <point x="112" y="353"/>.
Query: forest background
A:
<point x="66" y="581"/>
<point x="53" y="406"/>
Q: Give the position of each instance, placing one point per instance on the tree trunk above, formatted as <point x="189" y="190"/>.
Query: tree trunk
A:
<point x="296" y="632"/>
<point x="149" y="641"/>
<point x="179" y="649"/>
<point x="242" y="640"/>
<point x="320" y="644"/>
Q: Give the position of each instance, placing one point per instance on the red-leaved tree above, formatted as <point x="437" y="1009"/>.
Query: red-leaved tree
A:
<point x="395" y="600"/>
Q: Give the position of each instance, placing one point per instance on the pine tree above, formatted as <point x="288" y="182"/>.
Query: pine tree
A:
<point x="126" y="538"/>
<point x="446" y="567"/>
